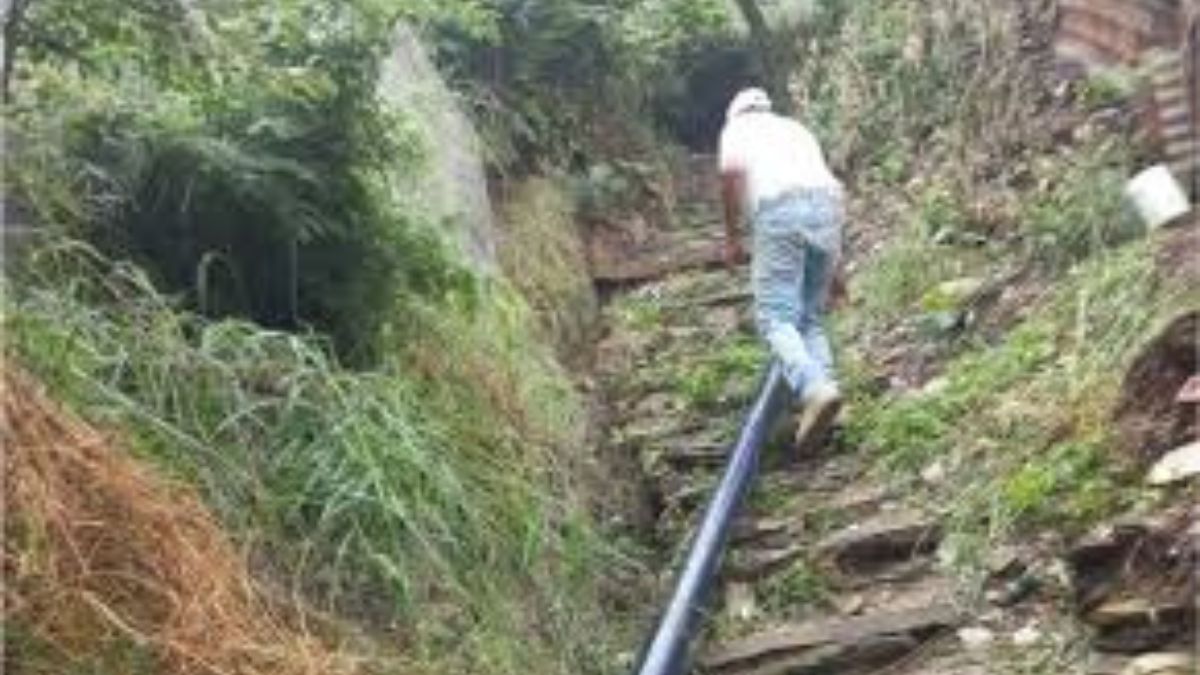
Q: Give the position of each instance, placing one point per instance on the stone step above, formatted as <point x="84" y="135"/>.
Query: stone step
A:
<point x="692" y="456"/>
<point x="944" y="658"/>
<point x="685" y="498"/>
<point x="719" y="298"/>
<point x="882" y="542"/>
<point x="656" y="405"/>
<point x="829" y="645"/>
<point x="1181" y="662"/>
<point x="755" y="564"/>
<point x="697" y="283"/>
<point x="649" y="432"/>
<point x="620" y="260"/>
<point x="748" y="531"/>
<point x="858" y="499"/>
<point x="895" y="596"/>
<point x="1137" y="625"/>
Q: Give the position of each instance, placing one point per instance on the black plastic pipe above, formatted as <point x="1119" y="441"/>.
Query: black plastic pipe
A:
<point x="667" y="651"/>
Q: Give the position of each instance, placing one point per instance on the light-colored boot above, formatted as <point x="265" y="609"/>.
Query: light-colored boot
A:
<point x="821" y="404"/>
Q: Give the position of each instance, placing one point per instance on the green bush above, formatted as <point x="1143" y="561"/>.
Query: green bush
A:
<point x="249" y="170"/>
<point x="569" y="82"/>
<point x="708" y="379"/>
<point x="438" y="490"/>
<point x="1080" y="213"/>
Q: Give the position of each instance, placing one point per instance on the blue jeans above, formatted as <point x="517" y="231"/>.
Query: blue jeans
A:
<point x="796" y="244"/>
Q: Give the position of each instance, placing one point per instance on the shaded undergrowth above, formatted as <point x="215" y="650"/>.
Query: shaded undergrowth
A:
<point x="439" y="494"/>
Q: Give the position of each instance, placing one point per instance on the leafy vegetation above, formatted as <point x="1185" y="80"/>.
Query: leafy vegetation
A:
<point x="1022" y="426"/>
<point x="925" y="107"/>
<point x="1080" y="211"/>
<point x="250" y="232"/>
<point x="569" y="82"/>
<point x="249" y="171"/>
<point x="707" y="379"/>
<point x="439" y="496"/>
<point x="544" y="258"/>
<point x="236" y="161"/>
<point x="887" y="85"/>
<point x="801" y="585"/>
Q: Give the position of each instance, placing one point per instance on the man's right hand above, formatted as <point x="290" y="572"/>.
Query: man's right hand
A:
<point x="839" y="290"/>
<point x="734" y="254"/>
<point x="732" y="183"/>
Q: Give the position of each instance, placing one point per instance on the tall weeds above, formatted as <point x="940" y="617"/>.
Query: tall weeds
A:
<point x="111" y="568"/>
<point x="433" y="492"/>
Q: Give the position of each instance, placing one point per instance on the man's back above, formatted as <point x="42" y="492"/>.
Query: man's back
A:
<point x="775" y="153"/>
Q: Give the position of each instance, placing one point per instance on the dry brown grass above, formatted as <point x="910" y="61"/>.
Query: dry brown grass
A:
<point x="100" y="551"/>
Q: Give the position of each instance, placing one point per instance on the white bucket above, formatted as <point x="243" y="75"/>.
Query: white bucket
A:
<point x="1157" y="196"/>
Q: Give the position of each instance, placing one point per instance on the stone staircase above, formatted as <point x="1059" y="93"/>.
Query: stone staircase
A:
<point x="828" y="570"/>
<point x="685" y="235"/>
<point x="678" y="364"/>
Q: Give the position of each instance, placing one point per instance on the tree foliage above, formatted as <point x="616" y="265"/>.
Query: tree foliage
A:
<point x="552" y="79"/>
<point x="237" y="150"/>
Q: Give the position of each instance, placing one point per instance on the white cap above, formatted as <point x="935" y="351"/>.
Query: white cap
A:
<point x="748" y="100"/>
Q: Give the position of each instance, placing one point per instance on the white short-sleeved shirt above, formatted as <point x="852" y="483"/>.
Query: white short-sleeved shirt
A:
<point x="776" y="154"/>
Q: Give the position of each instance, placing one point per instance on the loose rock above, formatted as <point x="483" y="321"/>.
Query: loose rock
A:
<point x="976" y="638"/>
<point x="1161" y="664"/>
<point x="819" y="646"/>
<point x="882" y="541"/>
<point x="740" y="602"/>
<point x="1176" y="466"/>
<point x="1027" y="636"/>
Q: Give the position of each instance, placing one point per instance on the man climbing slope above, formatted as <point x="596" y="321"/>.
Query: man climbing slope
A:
<point x="773" y="172"/>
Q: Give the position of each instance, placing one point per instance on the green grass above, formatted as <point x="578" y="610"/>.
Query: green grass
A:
<point x="543" y="256"/>
<point x="1074" y="470"/>
<point x="703" y="381"/>
<point x="638" y="312"/>
<point x="1107" y="88"/>
<point x="439" y="491"/>
<point x="897" y="282"/>
<point x="1023" y="426"/>
<point x="1079" y="212"/>
<point x="799" y="586"/>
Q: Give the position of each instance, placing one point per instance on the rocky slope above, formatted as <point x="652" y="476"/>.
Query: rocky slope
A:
<point x="831" y="568"/>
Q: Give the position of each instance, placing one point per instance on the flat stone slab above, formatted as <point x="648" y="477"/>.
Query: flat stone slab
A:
<point x="727" y="297"/>
<point x="884" y="540"/>
<point x="616" y="257"/>
<point x="1135" y="611"/>
<point x="706" y="448"/>
<point x="655" y="430"/>
<point x="752" y="530"/>
<point x="709" y="455"/>
<point x="1136" y="625"/>
<point x="859" y="498"/>
<point x="749" y="566"/>
<point x="862" y="658"/>
<point x="1157" y="663"/>
<point x="820" y="645"/>
<point x="1162" y="663"/>
<point x="912" y="595"/>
